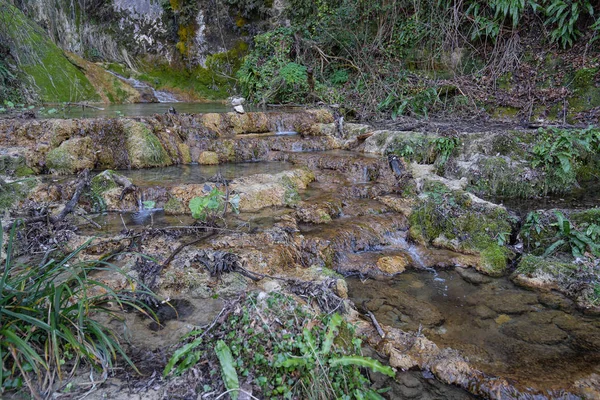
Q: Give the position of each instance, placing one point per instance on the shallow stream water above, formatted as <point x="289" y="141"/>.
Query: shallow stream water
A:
<point x="536" y="339"/>
<point x="145" y="109"/>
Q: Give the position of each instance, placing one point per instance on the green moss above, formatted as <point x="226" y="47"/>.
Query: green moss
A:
<point x="496" y="177"/>
<point x="470" y="227"/>
<point x="42" y="63"/>
<point x="119" y="69"/>
<point x="504" y="82"/>
<point x="504" y="112"/>
<point x="59" y="160"/>
<point x="144" y="147"/>
<point x="584" y="78"/>
<point x="591" y="216"/>
<point x="11" y="164"/>
<point x="508" y="144"/>
<point x="103" y="182"/>
<point x="23" y="171"/>
<point x="413" y="147"/>
<point x="210" y="82"/>
<point x="14" y="192"/>
<point x="174" y="207"/>
<point x="493" y="260"/>
<point x="531" y="264"/>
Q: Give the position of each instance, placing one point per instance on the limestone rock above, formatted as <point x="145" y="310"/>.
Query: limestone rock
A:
<point x="72" y="156"/>
<point x="393" y="265"/>
<point x="208" y="158"/>
<point x="144" y="148"/>
<point x="341" y="288"/>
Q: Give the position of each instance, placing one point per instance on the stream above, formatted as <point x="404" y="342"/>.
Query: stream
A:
<point x="539" y="341"/>
<point x="315" y="209"/>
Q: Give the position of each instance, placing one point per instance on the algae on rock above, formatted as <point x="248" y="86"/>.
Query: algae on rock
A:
<point x="451" y="219"/>
<point x="144" y="147"/>
<point x="72" y="156"/>
<point x="49" y="72"/>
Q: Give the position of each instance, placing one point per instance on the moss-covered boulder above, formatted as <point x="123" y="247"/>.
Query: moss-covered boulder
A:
<point x="208" y="158"/>
<point x="13" y="163"/>
<point x="41" y="62"/>
<point x="144" y="147"/>
<point x="175" y="206"/>
<point x="110" y="191"/>
<point x="453" y="220"/>
<point x="72" y="156"/>
<point x="13" y="192"/>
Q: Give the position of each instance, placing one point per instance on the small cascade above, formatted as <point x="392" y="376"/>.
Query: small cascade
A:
<point x="280" y="129"/>
<point x="161" y="97"/>
<point x="399" y="241"/>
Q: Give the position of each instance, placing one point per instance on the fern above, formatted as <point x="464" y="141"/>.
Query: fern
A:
<point x="366" y="362"/>
<point x="228" y="372"/>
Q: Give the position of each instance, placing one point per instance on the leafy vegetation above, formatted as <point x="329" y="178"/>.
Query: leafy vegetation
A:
<point x="383" y="56"/>
<point x="213" y="206"/>
<point x="49" y="321"/>
<point x="578" y="242"/>
<point x="546" y="235"/>
<point x="321" y="362"/>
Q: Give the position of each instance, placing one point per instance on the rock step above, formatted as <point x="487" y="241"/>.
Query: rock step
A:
<point x="242" y="148"/>
<point x="359" y="168"/>
<point x="66" y="146"/>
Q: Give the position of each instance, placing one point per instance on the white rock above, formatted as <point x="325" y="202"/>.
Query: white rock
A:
<point x="237" y="101"/>
<point x="239" y="109"/>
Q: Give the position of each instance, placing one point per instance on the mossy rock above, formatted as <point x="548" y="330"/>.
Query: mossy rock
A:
<point x="103" y="182"/>
<point x="41" y="62"/>
<point x="451" y="219"/>
<point x="72" y="156"/>
<point x="185" y="153"/>
<point x="174" y="207"/>
<point x="531" y="264"/>
<point x="13" y="192"/>
<point x="591" y="216"/>
<point x="144" y="147"/>
<point x="14" y="164"/>
<point x="412" y="146"/>
<point x="208" y="158"/>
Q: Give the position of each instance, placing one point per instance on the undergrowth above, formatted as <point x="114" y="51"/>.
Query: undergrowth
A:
<point x="283" y="350"/>
<point x="49" y="321"/>
<point x="400" y="57"/>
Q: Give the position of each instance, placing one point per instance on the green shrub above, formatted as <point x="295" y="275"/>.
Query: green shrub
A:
<point x="302" y="355"/>
<point x="48" y="321"/>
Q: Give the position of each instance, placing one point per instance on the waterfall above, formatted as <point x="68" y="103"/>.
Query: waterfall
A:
<point x="161" y="97"/>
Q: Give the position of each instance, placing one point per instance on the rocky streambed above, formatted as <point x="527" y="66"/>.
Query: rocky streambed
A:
<point x="392" y="222"/>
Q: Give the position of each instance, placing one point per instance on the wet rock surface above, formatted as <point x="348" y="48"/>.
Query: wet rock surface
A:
<point x="314" y="213"/>
<point x="502" y="331"/>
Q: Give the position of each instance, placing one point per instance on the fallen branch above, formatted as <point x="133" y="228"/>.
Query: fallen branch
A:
<point x="82" y="184"/>
<point x="376" y="324"/>
<point x="184" y="245"/>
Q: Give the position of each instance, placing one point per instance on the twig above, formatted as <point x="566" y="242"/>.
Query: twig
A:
<point x="182" y="246"/>
<point x="235" y="390"/>
<point x="94" y="223"/>
<point x="376" y="324"/>
<point x="123" y="221"/>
